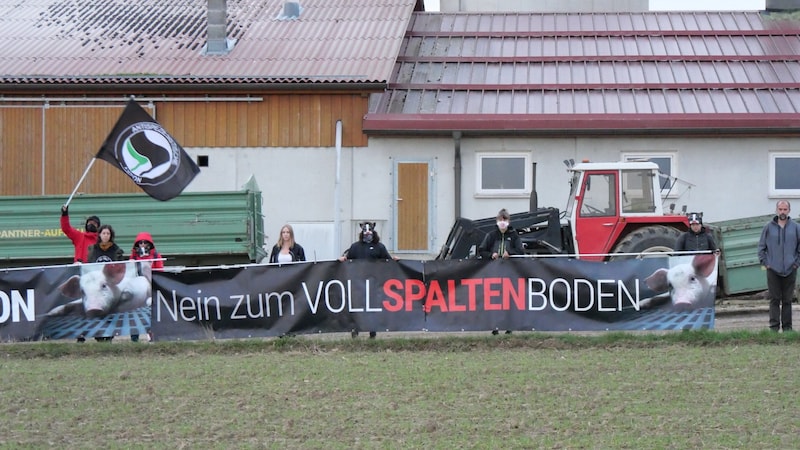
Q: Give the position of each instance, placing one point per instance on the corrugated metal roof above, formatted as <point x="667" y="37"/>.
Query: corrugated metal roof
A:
<point x="161" y="41"/>
<point x="543" y="72"/>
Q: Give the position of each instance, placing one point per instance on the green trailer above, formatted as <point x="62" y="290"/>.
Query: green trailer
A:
<point x="193" y="229"/>
<point x="740" y="271"/>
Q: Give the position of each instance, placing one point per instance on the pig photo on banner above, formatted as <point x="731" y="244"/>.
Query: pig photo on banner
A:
<point x="104" y="299"/>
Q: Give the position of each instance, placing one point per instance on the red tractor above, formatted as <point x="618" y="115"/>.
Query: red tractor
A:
<point x="614" y="210"/>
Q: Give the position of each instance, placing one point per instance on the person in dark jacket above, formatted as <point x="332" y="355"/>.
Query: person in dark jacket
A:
<point x="286" y="250"/>
<point x="502" y="242"/>
<point x="81" y="240"/>
<point x="779" y="253"/>
<point x="697" y="238"/>
<point x="368" y="247"/>
<point x="105" y="250"/>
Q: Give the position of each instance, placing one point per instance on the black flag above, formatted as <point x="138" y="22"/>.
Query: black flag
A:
<point x="142" y="148"/>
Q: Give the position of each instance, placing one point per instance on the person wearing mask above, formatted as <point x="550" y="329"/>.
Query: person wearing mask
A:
<point x="286" y="249"/>
<point x="779" y="253"/>
<point x="697" y="239"/>
<point x="144" y="249"/>
<point x="369" y="247"/>
<point x="502" y="242"/>
<point x="81" y="240"/>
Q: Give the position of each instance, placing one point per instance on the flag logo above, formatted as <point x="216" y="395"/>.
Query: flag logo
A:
<point x="148" y="154"/>
<point x="142" y="148"/>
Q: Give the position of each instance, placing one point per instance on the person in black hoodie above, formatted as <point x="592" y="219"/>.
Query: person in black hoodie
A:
<point x="105" y="250"/>
<point x="502" y="242"/>
<point x="697" y="238"/>
<point x="368" y="246"/>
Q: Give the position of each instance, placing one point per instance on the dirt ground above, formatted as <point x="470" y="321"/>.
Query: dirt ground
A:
<point x="745" y="314"/>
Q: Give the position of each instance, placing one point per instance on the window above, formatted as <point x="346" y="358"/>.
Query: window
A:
<point x="783" y="170"/>
<point x="667" y="165"/>
<point x="599" y="196"/>
<point x="503" y="174"/>
<point x="638" y="195"/>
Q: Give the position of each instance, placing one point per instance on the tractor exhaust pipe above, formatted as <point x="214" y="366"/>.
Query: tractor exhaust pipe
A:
<point x="534" y="200"/>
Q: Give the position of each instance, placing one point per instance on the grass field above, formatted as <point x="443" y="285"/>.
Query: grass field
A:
<point x="636" y="391"/>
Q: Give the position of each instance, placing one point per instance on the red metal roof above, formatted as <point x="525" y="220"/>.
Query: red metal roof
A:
<point x="483" y="72"/>
<point x="160" y="41"/>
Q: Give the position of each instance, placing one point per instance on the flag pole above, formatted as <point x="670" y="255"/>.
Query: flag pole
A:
<point x="80" y="181"/>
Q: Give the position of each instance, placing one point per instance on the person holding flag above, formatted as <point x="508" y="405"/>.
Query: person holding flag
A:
<point x="82" y="240"/>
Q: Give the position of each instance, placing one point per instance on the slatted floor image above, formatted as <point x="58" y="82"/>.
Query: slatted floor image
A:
<point x="117" y="324"/>
<point x="698" y="319"/>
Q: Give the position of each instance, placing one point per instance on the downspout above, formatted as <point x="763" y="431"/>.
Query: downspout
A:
<point x="457" y="173"/>
<point x="337" y="225"/>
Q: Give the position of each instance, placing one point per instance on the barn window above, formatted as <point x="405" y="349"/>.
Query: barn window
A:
<point x="783" y="170"/>
<point x="503" y="174"/>
<point x="666" y="163"/>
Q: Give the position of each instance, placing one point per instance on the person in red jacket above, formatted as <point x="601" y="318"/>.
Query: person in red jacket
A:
<point x="82" y="240"/>
<point x="144" y="249"/>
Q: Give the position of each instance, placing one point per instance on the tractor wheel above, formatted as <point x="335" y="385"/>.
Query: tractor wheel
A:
<point x="649" y="239"/>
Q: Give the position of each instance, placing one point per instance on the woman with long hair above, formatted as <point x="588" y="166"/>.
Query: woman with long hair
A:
<point x="286" y="249"/>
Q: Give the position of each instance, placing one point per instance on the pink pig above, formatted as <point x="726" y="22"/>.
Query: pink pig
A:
<point x="102" y="292"/>
<point x="687" y="284"/>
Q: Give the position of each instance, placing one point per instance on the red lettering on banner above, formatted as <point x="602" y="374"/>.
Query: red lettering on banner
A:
<point x="497" y="294"/>
<point x="415" y="291"/>
<point x="451" y="298"/>
<point x="435" y="298"/>
<point x="395" y="299"/>
<point x="518" y="295"/>
<point x="489" y="294"/>
<point x="472" y="285"/>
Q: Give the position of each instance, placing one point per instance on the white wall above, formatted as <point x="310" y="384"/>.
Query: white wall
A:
<point x="298" y="184"/>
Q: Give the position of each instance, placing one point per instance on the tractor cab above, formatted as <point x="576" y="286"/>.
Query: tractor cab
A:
<point x="608" y="201"/>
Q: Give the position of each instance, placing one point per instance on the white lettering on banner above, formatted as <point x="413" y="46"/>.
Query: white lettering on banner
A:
<point x="11" y="307"/>
<point x="261" y="308"/>
<point x="342" y="291"/>
<point x="188" y="308"/>
<point x="541" y="294"/>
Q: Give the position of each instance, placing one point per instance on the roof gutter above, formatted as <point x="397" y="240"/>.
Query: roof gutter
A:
<point x="126" y="88"/>
<point x="557" y="124"/>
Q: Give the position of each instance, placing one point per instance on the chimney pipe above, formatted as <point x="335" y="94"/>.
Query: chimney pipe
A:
<point x="217" y="23"/>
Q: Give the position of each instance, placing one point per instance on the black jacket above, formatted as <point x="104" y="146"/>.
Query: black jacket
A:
<point x="362" y="250"/>
<point x="493" y="241"/>
<point x="691" y="241"/>
<point x="97" y="254"/>
<point x="296" y="250"/>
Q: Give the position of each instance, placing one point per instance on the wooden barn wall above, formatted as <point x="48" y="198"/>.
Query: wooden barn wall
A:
<point x="21" y="150"/>
<point x="280" y="120"/>
<point x="73" y="132"/>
